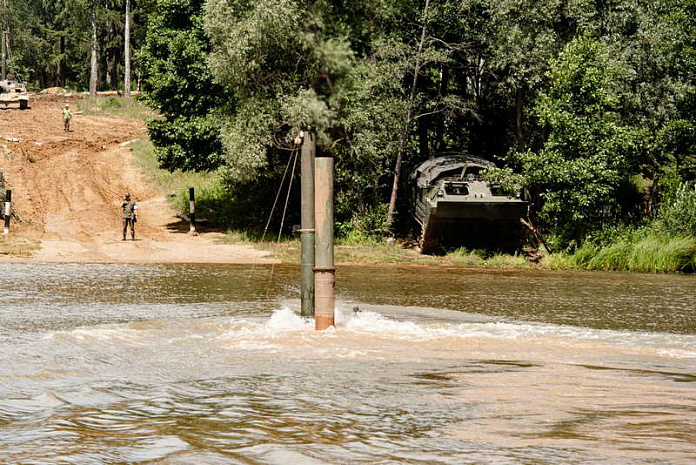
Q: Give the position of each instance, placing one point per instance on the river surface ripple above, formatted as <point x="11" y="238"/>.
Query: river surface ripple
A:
<point x="188" y="364"/>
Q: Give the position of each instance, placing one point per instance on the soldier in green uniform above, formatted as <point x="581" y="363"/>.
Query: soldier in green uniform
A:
<point x="67" y="116"/>
<point x="129" y="217"/>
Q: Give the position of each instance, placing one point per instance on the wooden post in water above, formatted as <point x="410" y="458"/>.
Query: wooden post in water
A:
<point x="324" y="270"/>
<point x="307" y="223"/>
<point x="8" y="211"/>
<point x="192" y="210"/>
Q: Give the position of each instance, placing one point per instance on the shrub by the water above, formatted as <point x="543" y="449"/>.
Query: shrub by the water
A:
<point x="677" y="213"/>
<point x="642" y="253"/>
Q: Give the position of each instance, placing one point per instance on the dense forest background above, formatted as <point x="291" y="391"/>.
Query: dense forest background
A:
<point x="589" y="105"/>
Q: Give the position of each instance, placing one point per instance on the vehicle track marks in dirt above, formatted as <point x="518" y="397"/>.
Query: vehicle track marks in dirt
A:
<point x="69" y="188"/>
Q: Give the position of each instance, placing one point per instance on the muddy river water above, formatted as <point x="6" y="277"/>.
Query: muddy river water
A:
<point x="191" y="364"/>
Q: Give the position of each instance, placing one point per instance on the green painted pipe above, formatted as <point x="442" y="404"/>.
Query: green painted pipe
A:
<point x="307" y="224"/>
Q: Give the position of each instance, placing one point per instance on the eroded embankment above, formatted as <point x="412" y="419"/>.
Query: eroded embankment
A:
<point x="67" y="188"/>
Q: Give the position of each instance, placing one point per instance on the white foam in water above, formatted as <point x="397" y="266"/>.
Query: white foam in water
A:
<point x="283" y="323"/>
<point x="373" y="323"/>
<point x="286" y="320"/>
<point x="99" y="333"/>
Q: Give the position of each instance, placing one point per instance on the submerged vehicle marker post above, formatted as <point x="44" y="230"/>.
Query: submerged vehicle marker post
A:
<point x="324" y="271"/>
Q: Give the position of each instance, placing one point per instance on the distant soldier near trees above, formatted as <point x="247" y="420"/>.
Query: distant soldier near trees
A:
<point x="129" y="215"/>
<point x="67" y="116"/>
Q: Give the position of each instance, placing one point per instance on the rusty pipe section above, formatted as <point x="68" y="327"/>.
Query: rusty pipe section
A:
<point x="325" y="301"/>
<point x="324" y="268"/>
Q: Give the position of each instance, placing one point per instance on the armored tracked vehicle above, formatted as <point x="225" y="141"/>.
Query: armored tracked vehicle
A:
<point x="454" y="205"/>
<point x="14" y="91"/>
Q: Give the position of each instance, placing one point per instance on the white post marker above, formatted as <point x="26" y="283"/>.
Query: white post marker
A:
<point x="192" y="209"/>
<point x="8" y="211"/>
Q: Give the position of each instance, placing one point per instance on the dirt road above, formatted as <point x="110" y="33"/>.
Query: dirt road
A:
<point x="67" y="189"/>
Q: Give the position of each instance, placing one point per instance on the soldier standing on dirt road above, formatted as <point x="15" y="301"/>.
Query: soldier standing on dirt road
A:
<point x="129" y="217"/>
<point x="67" y="116"/>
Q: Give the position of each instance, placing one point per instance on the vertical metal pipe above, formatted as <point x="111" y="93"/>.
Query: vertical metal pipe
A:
<point x="324" y="270"/>
<point x="307" y="223"/>
<point x="8" y="211"/>
<point x="192" y="209"/>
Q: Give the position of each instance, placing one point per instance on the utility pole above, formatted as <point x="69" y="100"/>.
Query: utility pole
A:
<point x="307" y="232"/>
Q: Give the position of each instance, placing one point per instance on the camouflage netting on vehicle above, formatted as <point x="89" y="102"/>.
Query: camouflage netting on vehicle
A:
<point x="445" y="164"/>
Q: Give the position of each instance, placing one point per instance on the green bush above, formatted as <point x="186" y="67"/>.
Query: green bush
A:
<point x="213" y="204"/>
<point x="677" y="214"/>
<point x="367" y="222"/>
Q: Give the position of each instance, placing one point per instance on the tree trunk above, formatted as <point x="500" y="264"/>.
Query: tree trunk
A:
<point x="440" y="145"/>
<point x="407" y="122"/>
<point x="110" y="74"/>
<point x="423" y="143"/>
<point x="4" y="55"/>
<point x="94" y="65"/>
<point x="478" y="88"/>
<point x="59" y="65"/>
<point x="126" y="53"/>
<point x="521" y="145"/>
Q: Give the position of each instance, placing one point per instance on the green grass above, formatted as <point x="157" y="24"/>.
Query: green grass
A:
<point x="650" y="254"/>
<point x="465" y="257"/>
<point x="117" y="106"/>
<point x="172" y="182"/>
<point x="558" y="261"/>
<point x="18" y="246"/>
<point x="288" y="251"/>
<point x="645" y="254"/>
<point x="365" y="250"/>
<point x="506" y="261"/>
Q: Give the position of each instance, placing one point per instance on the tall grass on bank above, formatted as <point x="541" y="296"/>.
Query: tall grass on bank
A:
<point x="651" y="253"/>
<point x="117" y="106"/>
<point x="478" y="258"/>
<point x="665" y="244"/>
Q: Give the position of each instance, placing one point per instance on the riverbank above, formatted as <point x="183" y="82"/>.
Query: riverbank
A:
<point x="67" y="188"/>
<point x="648" y="255"/>
<point x="367" y="251"/>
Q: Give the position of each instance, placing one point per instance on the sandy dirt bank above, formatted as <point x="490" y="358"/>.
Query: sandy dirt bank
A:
<point x="67" y="189"/>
